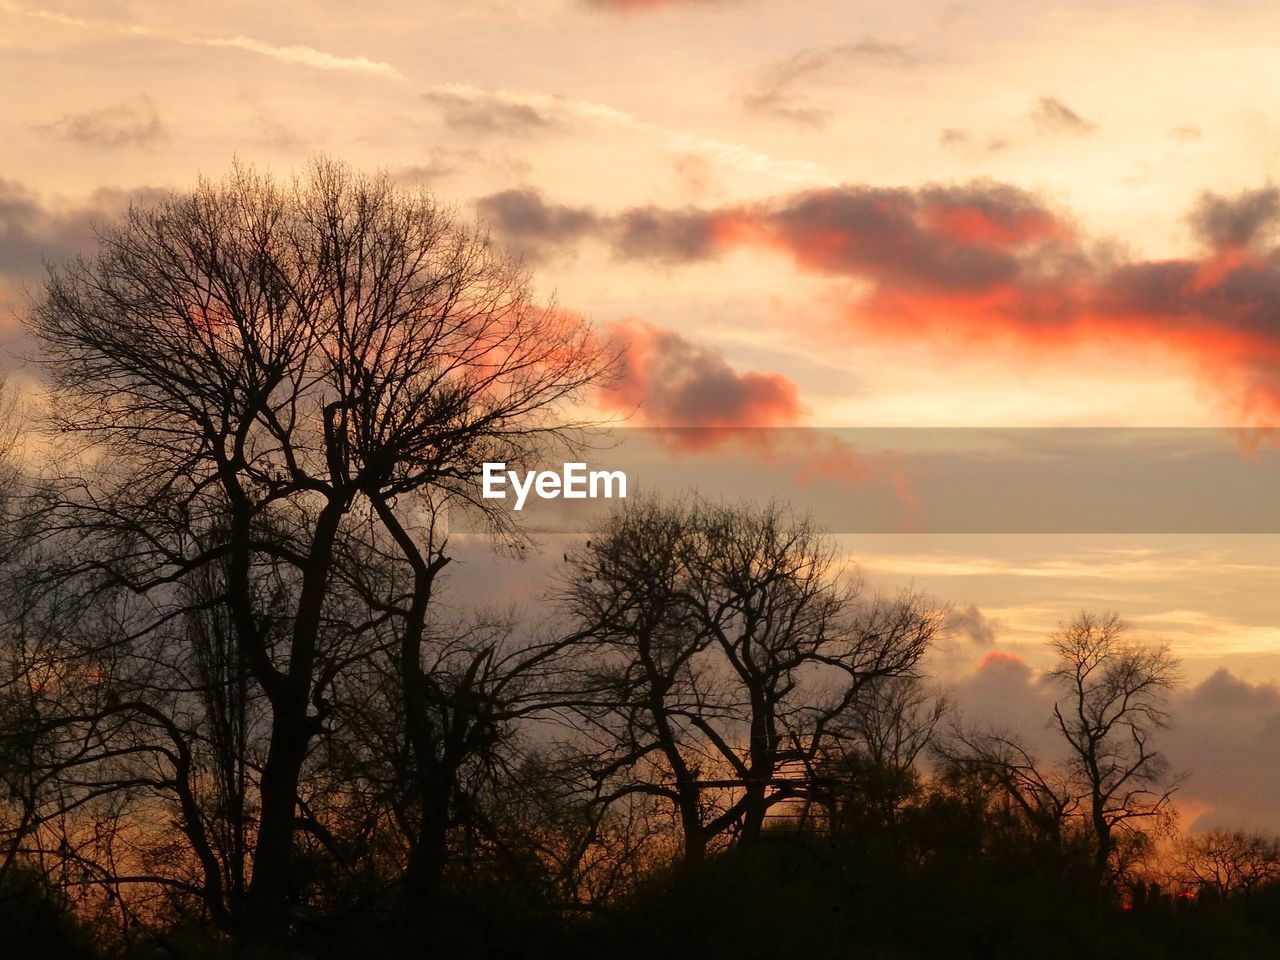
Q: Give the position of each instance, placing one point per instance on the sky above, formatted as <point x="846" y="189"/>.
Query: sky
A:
<point x="795" y="215"/>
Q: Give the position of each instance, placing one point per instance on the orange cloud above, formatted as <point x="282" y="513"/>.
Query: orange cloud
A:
<point x="670" y="381"/>
<point x="997" y="660"/>
<point x="703" y="406"/>
<point x="969" y="265"/>
<point x="965" y="266"/>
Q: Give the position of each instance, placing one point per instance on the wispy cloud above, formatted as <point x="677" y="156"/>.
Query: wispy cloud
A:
<point x="306" y="56"/>
<point x="779" y="90"/>
<point x="134" y="122"/>
<point x="66" y="20"/>
<point x="289" y="53"/>
<point x="555" y="108"/>
<point x="527" y="105"/>
<point x="1111" y="565"/>
<point x="1053" y="116"/>
<point x="1047" y="118"/>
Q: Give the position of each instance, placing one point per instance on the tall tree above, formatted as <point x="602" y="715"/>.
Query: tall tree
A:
<point x="737" y="647"/>
<point x="258" y="372"/>
<point x="1113" y="696"/>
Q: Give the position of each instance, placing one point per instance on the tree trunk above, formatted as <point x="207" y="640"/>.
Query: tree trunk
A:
<point x="754" y="809"/>
<point x="267" y="901"/>
<point x="424" y="874"/>
<point x="1102" y="829"/>
<point x="761" y="756"/>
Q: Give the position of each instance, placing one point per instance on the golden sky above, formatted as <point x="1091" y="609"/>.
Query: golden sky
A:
<point x="873" y="214"/>
<point x="1114" y="118"/>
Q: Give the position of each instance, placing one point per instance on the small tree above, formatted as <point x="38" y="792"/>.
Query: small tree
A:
<point x="1112" y="698"/>
<point x="868" y="772"/>
<point x="1045" y="797"/>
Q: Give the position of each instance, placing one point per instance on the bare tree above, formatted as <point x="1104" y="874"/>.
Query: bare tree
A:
<point x="256" y="373"/>
<point x="1044" y="796"/>
<point x="627" y="594"/>
<point x="875" y="747"/>
<point x="736" y="647"/>
<point x="895" y="721"/>
<point x="1226" y="861"/>
<point x="1113" y="695"/>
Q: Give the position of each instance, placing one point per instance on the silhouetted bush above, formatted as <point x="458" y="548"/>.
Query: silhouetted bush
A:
<point x="36" y="923"/>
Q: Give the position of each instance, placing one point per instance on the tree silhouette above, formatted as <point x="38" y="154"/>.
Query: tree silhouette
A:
<point x="263" y="373"/>
<point x="1113" y="697"/>
<point x="1226" y="861"/>
<point x="240" y="709"/>
<point x="735" y="648"/>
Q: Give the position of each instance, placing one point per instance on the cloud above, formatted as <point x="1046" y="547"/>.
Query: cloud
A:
<point x="778" y="91"/>
<point x="951" y="264"/>
<point x="289" y="53"/>
<point x="491" y="115"/>
<point x="972" y="237"/>
<point x="474" y="104"/>
<point x="960" y="139"/>
<point x="1053" y="116"/>
<point x="438" y="164"/>
<point x="670" y="381"/>
<point x="1224" y="733"/>
<point x="535" y="228"/>
<point x="559" y="109"/>
<point x="1238" y="221"/>
<point x="305" y="56"/>
<point x="531" y="227"/>
<point x="33" y="231"/>
<point x="702" y="404"/>
<point x="66" y="20"/>
<point x="276" y="133"/>
<point x="1003" y="693"/>
<point x="133" y="122"/>
<point x="969" y="237"/>
<point x="27" y="231"/>
<point x="1047" y="117"/>
<point x="664" y="236"/>
<point x="969" y="623"/>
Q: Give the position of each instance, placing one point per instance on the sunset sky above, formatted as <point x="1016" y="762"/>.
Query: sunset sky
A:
<point x="951" y="214"/>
